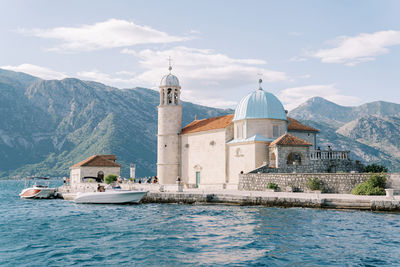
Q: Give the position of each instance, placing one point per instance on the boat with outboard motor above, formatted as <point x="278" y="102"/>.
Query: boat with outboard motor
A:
<point x="37" y="187"/>
<point x="109" y="195"/>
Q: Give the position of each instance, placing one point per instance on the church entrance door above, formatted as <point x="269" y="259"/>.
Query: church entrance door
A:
<point x="197" y="179"/>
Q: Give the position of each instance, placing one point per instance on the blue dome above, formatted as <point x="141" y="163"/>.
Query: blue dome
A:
<point x="169" y="80"/>
<point x="260" y="105"/>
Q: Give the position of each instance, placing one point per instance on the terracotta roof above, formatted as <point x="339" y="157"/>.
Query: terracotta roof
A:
<point x="98" y="161"/>
<point x="295" y="125"/>
<point x="208" y="124"/>
<point x="290" y="140"/>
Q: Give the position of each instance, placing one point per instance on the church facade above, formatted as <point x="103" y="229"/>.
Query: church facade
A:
<point x="212" y="153"/>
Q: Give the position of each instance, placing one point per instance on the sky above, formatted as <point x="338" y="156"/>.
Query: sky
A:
<point x="345" y="51"/>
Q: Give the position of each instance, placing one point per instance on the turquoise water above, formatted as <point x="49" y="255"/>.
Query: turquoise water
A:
<point x="59" y="233"/>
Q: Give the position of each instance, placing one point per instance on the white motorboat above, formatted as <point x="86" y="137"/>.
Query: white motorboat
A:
<point x="37" y="187"/>
<point x="110" y="197"/>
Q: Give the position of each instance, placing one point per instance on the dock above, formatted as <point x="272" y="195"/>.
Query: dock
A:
<point x="263" y="198"/>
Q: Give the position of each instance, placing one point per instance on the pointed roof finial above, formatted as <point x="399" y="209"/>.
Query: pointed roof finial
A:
<point x="259" y="81"/>
<point x="169" y="63"/>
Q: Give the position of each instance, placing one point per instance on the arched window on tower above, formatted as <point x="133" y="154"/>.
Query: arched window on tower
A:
<point x="169" y="96"/>
<point x="176" y="97"/>
<point x="162" y="97"/>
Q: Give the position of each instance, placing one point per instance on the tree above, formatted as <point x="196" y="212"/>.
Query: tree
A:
<point x="110" y="178"/>
<point x="375" y="168"/>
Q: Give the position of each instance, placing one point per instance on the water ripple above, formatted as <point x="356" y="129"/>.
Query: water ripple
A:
<point x="60" y="233"/>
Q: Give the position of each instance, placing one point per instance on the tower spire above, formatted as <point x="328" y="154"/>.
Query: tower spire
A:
<point x="259" y="81"/>
<point x="169" y="64"/>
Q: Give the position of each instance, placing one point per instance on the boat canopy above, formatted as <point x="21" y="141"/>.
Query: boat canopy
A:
<point x="98" y="179"/>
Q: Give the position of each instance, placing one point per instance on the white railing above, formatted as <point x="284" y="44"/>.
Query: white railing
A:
<point x="329" y="154"/>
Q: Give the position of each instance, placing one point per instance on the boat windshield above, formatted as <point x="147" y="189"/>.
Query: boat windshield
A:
<point x="42" y="182"/>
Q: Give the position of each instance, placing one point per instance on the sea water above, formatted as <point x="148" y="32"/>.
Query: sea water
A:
<point x="62" y="233"/>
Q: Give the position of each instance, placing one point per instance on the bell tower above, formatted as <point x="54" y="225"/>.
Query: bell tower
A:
<point x="169" y="127"/>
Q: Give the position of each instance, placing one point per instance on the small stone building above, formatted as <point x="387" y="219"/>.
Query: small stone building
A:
<point x="95" y="166"/>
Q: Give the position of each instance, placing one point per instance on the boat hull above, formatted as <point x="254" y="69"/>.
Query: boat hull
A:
<point x="37" y="193"/>
<point x="110" y="197"/>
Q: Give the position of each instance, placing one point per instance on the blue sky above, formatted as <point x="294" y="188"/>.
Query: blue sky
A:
<point x="345" y="51"/>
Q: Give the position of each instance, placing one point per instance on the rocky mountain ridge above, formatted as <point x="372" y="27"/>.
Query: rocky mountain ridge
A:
<point x="48" y="125"/>
<point x="371" y="131"/>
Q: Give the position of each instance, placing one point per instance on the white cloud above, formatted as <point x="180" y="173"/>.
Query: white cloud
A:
<point x="364" y="47"/>
<point x="207" y="77"/>
<point x="108" y="34"/>
<point x="293" y="97"/>
<point x="127" y="79"/>
<point x="38" y="71"/>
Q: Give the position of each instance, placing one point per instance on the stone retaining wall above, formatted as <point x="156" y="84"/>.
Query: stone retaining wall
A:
<point x="341" y="183"/>
<point x="316" y="166"/>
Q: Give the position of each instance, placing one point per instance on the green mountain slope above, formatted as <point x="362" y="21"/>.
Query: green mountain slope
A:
<point x="47" y="126"/>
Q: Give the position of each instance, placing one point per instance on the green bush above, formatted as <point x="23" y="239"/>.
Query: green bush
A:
<point x="314" y="183"/>
<point x="272" y="186"/>
<point x="375" y="185"/>
<point x="375" y="168"/>
<point x="377" y="180"/>
<point x="110" y="178"/>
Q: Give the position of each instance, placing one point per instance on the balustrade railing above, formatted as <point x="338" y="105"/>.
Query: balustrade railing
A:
<point x="329" y="154"/>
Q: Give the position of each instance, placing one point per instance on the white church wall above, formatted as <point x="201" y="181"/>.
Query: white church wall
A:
<point x="309" y="137"/>
<point x="244" y="157"/>
<point x="204" y="152"/>
<point x="261" y="154"/>
<point x="264" y="127"/>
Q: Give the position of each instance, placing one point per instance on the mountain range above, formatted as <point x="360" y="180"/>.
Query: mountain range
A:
<point x="371" y="131"/>
<point x="48" y="125"/>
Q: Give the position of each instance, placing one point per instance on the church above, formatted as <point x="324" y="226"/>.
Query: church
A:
<point x="259" y="137"/>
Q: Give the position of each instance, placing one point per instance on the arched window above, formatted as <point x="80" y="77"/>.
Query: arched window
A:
<point x="100" y="175"/>
<point x="275" y="131"/>
<point x="169" y="96"/>
<point x="294" y="157"/>
<point x="162" y="97"/>
<point x="176" y="97"/>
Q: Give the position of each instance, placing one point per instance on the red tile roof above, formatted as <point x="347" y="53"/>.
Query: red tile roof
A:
<point x="295" y="125"/>
<point x="224" y="121"/>
<point x="290" y="140"/>
<point x="98" y="161"/>
<point x="208" y="124"/>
